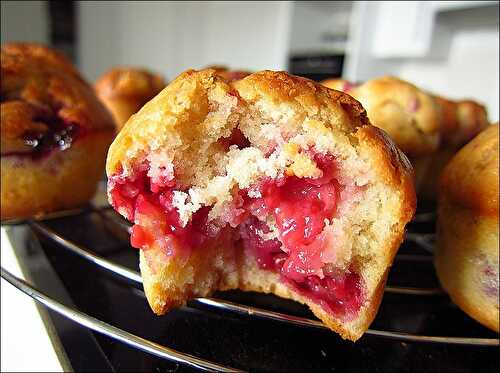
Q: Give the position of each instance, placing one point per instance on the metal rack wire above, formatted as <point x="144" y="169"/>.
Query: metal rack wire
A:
<point x="424" y="241"/>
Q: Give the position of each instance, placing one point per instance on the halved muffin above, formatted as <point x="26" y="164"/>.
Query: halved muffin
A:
<point x="272" y="183"/>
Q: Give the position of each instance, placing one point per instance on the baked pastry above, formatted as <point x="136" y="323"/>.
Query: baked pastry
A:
<point x="54" y="133"/>
<point x="227" y="74"/>
<point x="272" y="183"/>
<point x="460" y="121"/>
<point x="409" y="115"/>
<point x="466" y="257"/>
<point x="429" y="129"/>
<point x="124" y="90"/>
<point x="339" y="84"/>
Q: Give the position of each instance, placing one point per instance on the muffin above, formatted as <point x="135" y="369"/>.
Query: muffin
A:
<point x="124" y="90"/>
<point x="460" y="121"/>
<point x="54" y="133"/>
<point x="466" y="257"/>
<point x="272" y="183"/>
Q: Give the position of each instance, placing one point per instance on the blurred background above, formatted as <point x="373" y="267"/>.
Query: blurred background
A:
<point x="448" y="47"/>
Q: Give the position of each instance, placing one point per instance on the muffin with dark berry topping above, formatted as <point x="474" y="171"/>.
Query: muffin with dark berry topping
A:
<point x="54" y="133"/>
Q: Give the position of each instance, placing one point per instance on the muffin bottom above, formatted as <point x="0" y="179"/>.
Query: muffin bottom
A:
<point x="58" y="181"/>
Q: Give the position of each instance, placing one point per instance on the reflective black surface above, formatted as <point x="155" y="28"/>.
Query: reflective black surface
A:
<point x="238" y="341"/>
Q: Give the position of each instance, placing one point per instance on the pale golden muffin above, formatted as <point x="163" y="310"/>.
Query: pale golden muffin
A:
<point x="460" y="121"/>
<point x="272" y="183"/>
<point x="466" y="257"/>
<point x="125" y="89"/>
<point x="429" y="129"/>
<point x="54" y="133"/>
<point x="409" y="115"/>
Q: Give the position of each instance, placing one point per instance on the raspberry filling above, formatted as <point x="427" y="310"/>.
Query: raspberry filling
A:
<point x="59" y="136"/>
<point x="300" y="208"/>
<point x="296" y="248"/>
<point x="149" y="205"/>
<point x="236" y="138"/>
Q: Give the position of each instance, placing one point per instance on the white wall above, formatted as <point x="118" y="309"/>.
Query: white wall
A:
<point x="171" y="37"/>
<point x="461" y="61"/>
<point x="24" y="21"/>
<point x="318" y="26"/>
<point x="360" y="64"/>
<point x="471" y="69"/>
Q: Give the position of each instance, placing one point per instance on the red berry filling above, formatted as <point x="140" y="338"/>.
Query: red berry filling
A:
<point x="268" y="253"/>
<point x="59" y="136"/>
<point x="156" y="221"/>
<point x="236" y="138"/>
<point x="340" y="294"/>
<point x="298" y="206"/>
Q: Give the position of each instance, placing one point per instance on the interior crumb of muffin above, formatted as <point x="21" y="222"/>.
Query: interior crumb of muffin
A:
<point x="246" y="177"/>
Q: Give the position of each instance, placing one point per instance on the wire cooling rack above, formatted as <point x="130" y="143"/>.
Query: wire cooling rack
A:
<point x="419" y="238"/>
